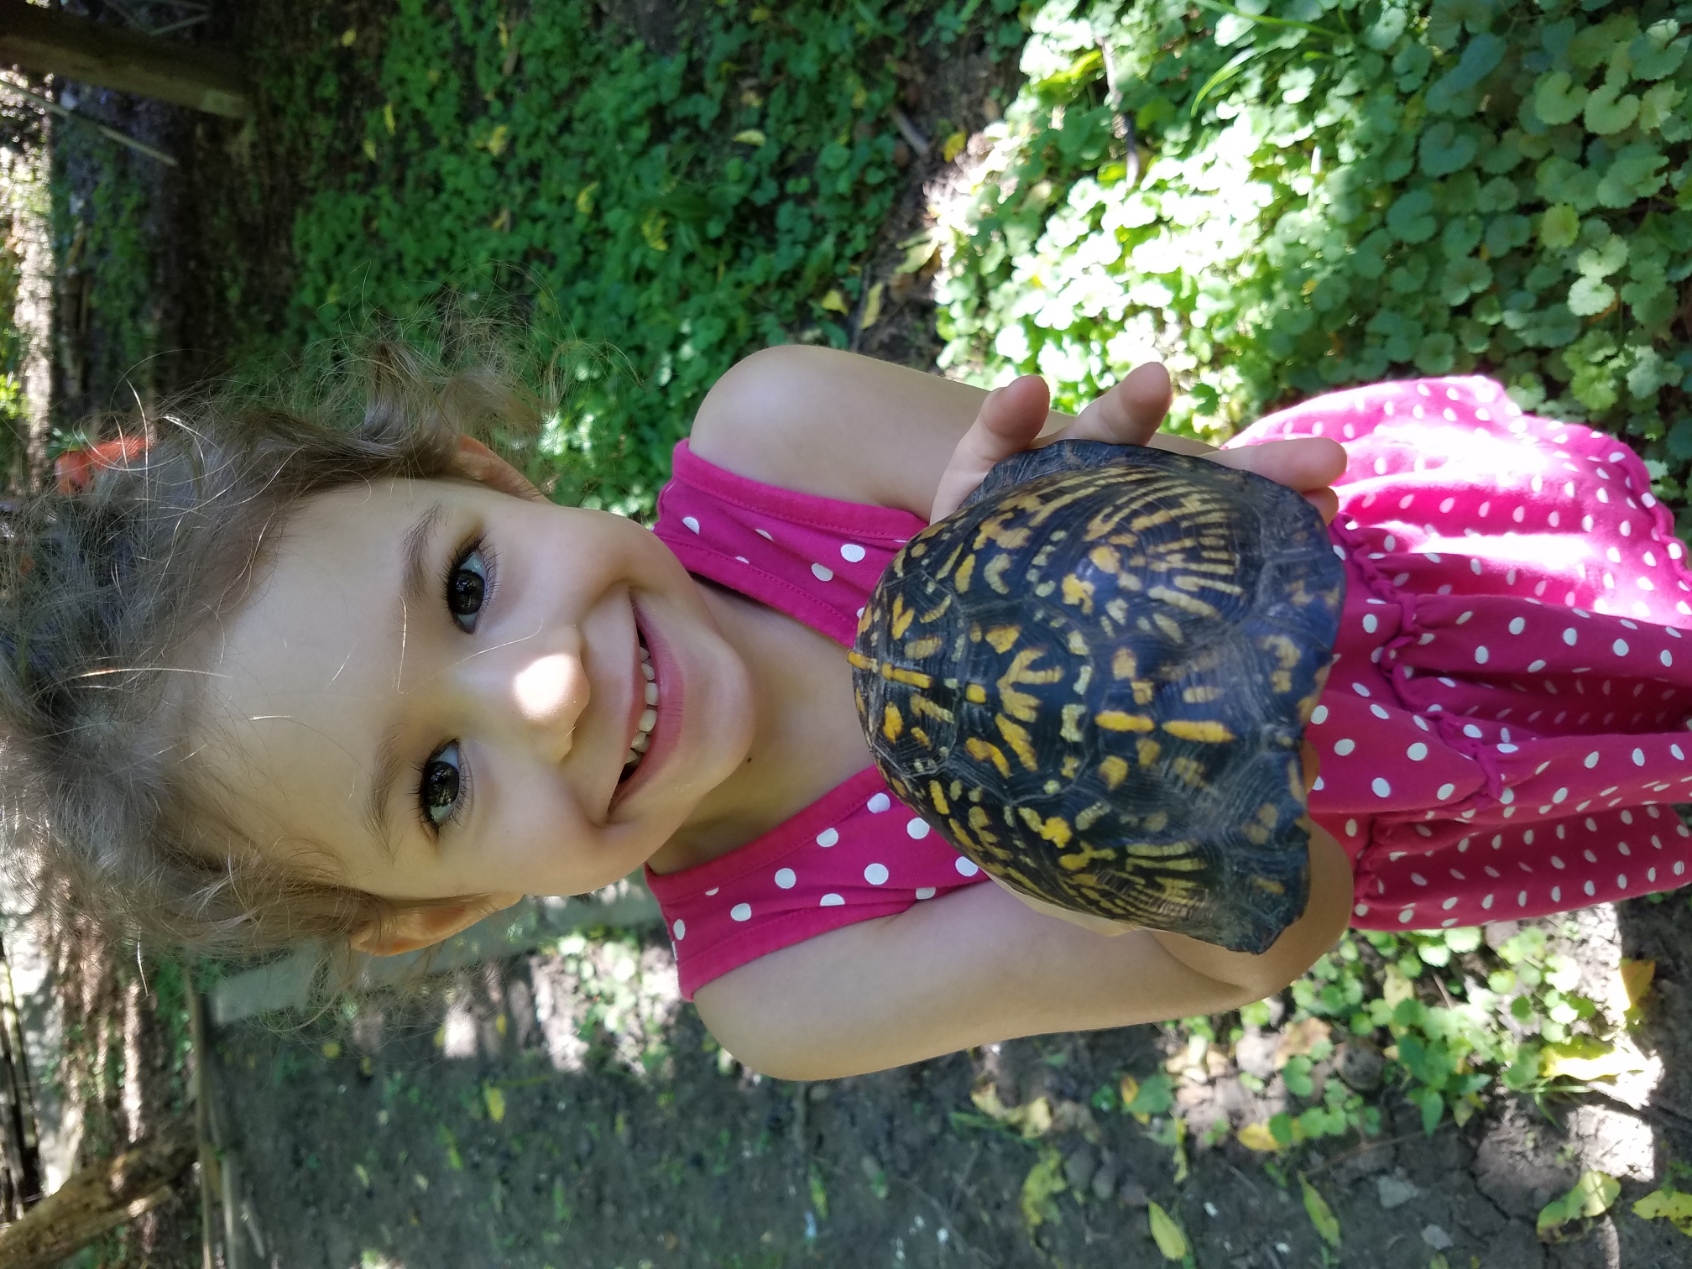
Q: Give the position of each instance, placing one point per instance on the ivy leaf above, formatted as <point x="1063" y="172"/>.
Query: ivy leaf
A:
<point x="1590" y="296"/>
<point x="1410" y="218"/>
<point x="1559" y="226"/>
<point x="1450" y="94"/>
<point x="1511" y="230"/>
<point x="1557" y="99"/>
<point x="1679" y="439"/>
<point x="1594" y="45"/>
<point x="1604" y="259"/>
<point x="1464" y="278"/>
<point x="1558" y="180"/>
<point x="1651" y="303"/>
<point x="1656" y="106"/>
<point x="1497" y="195"/>
<point x="1436" y="354"/>
<point x="1369" y="259"/>
<point x="1607" y="112"/>
<point x="1656" y="54"/>
<point x="1637" y="171"/>
<point x="1411" y="64"/>
<point x="1387" y="28"/>
<point x="1444" y="151"/>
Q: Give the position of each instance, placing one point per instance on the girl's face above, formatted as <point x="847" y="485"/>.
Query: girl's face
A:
<point x="437" y="684"/>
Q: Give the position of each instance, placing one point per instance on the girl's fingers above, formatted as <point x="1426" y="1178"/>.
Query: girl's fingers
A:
<point x="1308" y="464"/>
<point x="1009" y="420"/>
<point x="1129" y="413"/>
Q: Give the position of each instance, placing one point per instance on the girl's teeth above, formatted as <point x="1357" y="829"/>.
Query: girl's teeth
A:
<point x="639" y="743"/>
<point x="647" y="671"/>
<point x="651" y="692"/>
<point x="648" y="717"/>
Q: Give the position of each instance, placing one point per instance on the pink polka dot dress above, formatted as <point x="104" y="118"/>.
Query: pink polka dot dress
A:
<point x="1505" y="724"/>
<point x="1504" y="729"/>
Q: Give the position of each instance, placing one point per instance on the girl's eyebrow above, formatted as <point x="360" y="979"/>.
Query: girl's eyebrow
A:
<point x="416" y="578"/>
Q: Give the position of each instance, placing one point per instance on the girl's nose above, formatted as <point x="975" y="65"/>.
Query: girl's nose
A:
<point x="548" y="694"/>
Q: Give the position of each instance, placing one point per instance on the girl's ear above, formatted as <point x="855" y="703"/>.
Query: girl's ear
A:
<point x="414" y="928"/>
<point x="475" y="461"/>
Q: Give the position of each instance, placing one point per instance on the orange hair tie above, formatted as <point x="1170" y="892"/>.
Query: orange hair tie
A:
<point x="73" y="470"/>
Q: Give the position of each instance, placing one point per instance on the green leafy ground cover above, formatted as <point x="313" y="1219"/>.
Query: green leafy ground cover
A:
<point x="679" y="210"/>
<point x="1327" y="192"/>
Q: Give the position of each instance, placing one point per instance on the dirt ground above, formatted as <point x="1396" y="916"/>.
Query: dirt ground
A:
<point x="565" y="1110"/>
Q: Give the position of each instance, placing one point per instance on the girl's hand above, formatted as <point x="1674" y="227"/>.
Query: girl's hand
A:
<point x="1011" y="418"/>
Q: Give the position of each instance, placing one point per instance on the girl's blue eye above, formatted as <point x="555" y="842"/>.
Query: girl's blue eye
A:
<point x="467" y="586"/>
<point x="437" y="791"/>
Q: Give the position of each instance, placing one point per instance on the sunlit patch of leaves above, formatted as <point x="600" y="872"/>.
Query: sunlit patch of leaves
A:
<point x="1328" y="192"/>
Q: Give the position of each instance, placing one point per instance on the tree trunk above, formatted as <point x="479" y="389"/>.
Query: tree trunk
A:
<point x="49" y="42"/>
<point x="98" y="1198"/>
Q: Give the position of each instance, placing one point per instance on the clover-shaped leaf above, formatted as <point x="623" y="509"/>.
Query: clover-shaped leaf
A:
<point x="1410" y="218"/>
<point x="1589" y="296"/>
<point x="1387" y="28"/>
<point x="1652" y="304"/>
<point x="1558" y="180"/>
<point x="1656" y="54"/>
<point x="1448" y="18"/>
<point x="1594" y="45"/>
<point x="1638" y="171"/>
<point x="1444" y="150"/>
<point x="1609" y="110"/>
<point x="1510" y="230"/>
<point x="1464" y="278"/>
<point x="1498" y="194"/>
<point x="1557" y="99"/>
<point x="1603" y="259"/>
<point x="1656" y="106"/>
<point x="1411" y="64"/>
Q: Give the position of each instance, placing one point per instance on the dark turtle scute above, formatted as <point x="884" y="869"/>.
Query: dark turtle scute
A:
<point x="1093" y="680"/>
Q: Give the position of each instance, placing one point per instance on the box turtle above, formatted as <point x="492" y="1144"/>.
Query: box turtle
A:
<point x="1093" y="680"/>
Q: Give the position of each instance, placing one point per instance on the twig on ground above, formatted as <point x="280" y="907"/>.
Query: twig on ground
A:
<point x="47" y="103"/>
<point x="1364" y="1148"/>
<point x="908" y="130"/>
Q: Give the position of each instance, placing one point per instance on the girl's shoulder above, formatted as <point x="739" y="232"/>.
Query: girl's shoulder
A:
<point x="835" y="425"/>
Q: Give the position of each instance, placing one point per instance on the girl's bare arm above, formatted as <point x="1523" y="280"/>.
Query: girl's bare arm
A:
<point x="978" y="966"/>
<point x="860" y="430"/>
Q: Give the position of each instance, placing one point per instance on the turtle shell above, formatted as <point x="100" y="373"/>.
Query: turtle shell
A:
<point x="1093" y="680"/>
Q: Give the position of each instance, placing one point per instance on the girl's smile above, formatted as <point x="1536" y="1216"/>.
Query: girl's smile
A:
<point x="437" y="687"/>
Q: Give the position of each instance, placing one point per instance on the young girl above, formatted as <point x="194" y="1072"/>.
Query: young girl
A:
<point x="271" y="679"/>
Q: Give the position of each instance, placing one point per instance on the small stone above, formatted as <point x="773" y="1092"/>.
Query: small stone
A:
<point x="1255" y="1054"/>
<point x="990" y="110"/>
<point x="1133" y="1193"/>
<point x="818" y="1092"/>
<point x="1079" y="1167"/>
<point x="1436" y="1238"/>
<point x="870" y="1167"/>
<point x="1360" y="1067"/>
<point x="1104" y="1180"/>
<point x="1393" y="1192"/>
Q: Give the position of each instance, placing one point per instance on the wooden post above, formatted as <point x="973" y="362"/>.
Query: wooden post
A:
<point x="49" y="42"/>
<point x="97" y="1198"/>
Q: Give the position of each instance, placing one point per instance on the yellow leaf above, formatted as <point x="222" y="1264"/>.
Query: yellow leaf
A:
<point x="497" y="140"/>
<point x="834" y="302"/>
<point x="348" y="37"/>
<point x="584" y="200"/>
<point x="1667" y="1205"/>
<point x="388" y="116"/>
<point x="369" y="149"/>
<point x="502" y="222"/>
<point x="1166" y="1233"/>
<point x="494" y="1097"/>
<point x="1044" y="1180"/>
<point x="759" y="14"/>
<point x="1321" y="1215"/>
<point x="1591" y="1196"/>
<point x="1585" y="1059"/>
<point x="1258" y="1137"/>
<point x="1636" y="979"/>
<point x="860" y="95"/>
<point x="652" y="229"/>
<point x="954" y="145"/>
<point x="1395" y="987"/>
<point x="331" y="1049"/>
<point x="751" y="136"/>
<point x="872" y="306"/>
